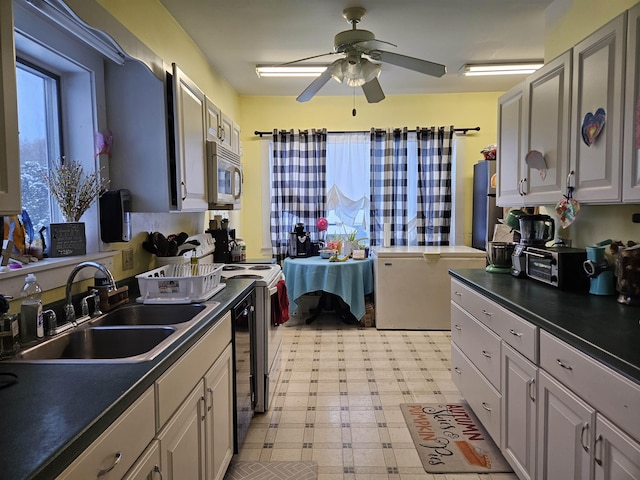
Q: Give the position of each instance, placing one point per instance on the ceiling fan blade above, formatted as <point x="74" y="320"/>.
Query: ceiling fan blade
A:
<point x="373" y="91"/>
<point x="416" y="64"/>
<point x="314" y="87"/>
<point x="304" y="59"/>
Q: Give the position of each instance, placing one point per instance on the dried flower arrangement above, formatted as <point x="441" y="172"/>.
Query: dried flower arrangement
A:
<point x="74" y="191"/>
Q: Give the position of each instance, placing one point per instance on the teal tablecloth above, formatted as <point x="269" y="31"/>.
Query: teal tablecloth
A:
<point x="350" y="280"/>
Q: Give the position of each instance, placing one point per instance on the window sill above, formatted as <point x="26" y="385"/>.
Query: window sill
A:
<point x="52" y="272"/>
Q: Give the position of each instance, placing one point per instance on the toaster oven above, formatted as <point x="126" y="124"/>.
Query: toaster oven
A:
<point x="560" y="267"/>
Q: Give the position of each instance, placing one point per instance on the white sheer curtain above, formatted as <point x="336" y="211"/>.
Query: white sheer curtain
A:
<point x="347" y="177"/>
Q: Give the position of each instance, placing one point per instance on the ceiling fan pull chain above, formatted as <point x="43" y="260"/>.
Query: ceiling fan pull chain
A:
<point x="353" y="112"/>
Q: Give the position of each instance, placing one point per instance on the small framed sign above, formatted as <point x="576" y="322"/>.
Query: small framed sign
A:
<point x="67" y="239"/>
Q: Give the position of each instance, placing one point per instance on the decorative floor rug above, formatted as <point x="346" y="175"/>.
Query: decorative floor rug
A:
<point x="450" y="439"/>
<point x="272" y="471"/>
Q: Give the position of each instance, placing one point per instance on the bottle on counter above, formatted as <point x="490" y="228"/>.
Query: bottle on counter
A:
<point x="9" y="330"/>
<point x="31" y="321"/>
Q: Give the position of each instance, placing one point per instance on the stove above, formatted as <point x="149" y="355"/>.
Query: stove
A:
<point x="267" y="335"/>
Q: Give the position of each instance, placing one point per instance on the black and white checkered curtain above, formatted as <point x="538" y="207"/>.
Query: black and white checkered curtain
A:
<point x="388" y="185"/>
<point x="434" y="185"/>
<point x="298" y="189"/>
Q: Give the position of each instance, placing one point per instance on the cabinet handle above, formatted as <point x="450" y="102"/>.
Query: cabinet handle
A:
<point x="571" y="174"/>
<point x="520" y="190"/>
<point x="514" y="333"/>
<point x="457" y="327"/>
<point x="484" y="405"/>
<point x="595" y="450"/>
<point x="204" y="407"/>
<point x="563" y="365"/>
<point x="585" y="429"/>
<point x="210" y="392"/>
<point x="488" y="314"/>
<point x="532" y="389"/>
<point x="486" y="354"/>
<point x="524" y="181"/>
<point x="156" y="469"/>
<point x="457" y="370"/>
<point x="458" y="294"/>
<point x="184" y="188"/>
<point x="116" y="461"/>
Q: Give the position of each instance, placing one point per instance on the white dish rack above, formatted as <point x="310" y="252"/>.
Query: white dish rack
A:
<point x="180" y="283"/>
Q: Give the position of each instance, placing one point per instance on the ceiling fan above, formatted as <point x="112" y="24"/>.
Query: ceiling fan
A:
<point x="357" y="71"/>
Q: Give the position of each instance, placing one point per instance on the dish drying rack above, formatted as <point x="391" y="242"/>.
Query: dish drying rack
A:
<point x="180" y="283"/>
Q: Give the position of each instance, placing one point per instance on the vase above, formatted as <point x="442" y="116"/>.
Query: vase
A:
<point x="67" y="239"/>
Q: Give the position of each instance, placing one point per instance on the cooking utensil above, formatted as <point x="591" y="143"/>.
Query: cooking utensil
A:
<point x="181" y="238"/>
<point x="161" y="243"/>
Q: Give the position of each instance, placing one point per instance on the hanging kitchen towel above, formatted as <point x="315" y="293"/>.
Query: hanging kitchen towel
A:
<point x="280" y="309"/>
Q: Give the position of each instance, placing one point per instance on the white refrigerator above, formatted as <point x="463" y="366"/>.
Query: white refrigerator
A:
<point x="412" y="285"/>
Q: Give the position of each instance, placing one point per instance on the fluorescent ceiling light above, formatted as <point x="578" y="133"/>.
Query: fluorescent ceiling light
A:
<point x="290" y="70"/>
<point x="501" y="69"/>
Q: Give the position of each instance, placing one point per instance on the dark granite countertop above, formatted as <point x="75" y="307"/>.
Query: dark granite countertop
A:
<point x="56" y="411"/>
<point x="599" y="326"/>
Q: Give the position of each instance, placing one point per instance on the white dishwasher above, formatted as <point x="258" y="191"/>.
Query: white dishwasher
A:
<point x="412" y="285"/>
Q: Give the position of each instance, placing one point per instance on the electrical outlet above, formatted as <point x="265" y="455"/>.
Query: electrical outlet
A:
<point x="127" y="259"/>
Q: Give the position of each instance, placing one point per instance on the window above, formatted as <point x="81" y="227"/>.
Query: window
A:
<point x="40" y="138"/>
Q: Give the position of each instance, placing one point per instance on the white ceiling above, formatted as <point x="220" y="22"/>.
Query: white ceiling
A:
<point x="238" y="34"/>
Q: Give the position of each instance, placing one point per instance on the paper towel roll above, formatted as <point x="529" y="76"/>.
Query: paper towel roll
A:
<point x="386" y="238"/>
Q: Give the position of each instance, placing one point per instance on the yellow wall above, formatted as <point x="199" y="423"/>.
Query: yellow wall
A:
<point x="569" y="22"/>
<point x="334" y="113"/>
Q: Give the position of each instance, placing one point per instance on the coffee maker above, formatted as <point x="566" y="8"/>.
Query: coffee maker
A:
<point x="225" y="241"/>
<point x="300" y="242"/>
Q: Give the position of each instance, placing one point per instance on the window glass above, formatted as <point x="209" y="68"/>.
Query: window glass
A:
<point x="39" y="127"/>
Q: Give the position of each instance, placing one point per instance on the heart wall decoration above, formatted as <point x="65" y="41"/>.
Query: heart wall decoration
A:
<point x="592" y="125"/>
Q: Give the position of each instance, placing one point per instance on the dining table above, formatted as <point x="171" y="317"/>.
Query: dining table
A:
<point x="350" y="280"/>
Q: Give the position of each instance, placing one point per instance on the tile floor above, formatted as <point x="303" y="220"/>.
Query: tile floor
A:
<point x="338" y="397"/>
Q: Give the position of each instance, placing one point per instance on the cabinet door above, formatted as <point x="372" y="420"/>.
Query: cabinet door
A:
<point x="510" y="137"/>
<point x="518" y="412"/>
<point x="631" y="158"/>
<point x="9" y="150"/>
<point x="219" y="423"/>
<point x="182" y="454"/>
<point x="147" y="467"/>
<point x="226" y="131"/>
<point x="213" y="120"/>
<point x="191" y="154"/>
<point x="565" y="432"/>
<point x="598" y="70"/>
<point x="235" y="139"/>
<point x="617" y="455"/>
<point x="547" y="113"/>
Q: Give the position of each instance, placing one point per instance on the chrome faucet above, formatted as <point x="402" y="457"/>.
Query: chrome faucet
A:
<point x="69" y="311"/>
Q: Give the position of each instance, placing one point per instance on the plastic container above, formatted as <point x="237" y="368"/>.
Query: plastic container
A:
<point x="31" y="321"/>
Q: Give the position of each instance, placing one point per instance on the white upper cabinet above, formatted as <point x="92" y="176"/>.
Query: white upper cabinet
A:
<point x="597" y="105"/>
<point x="190" y="143"/>
<point x="9" y="150"/>
<point x="546" y="106"/>
<point x="631" y="154"/>
<point x="221" y="129"/>
<point x="510" y="137"/>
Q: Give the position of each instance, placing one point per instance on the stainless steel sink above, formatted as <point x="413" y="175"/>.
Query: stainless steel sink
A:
<point x="140" y="314"/>
<point x="99" y="343"/>
<point x="132" y="333"/>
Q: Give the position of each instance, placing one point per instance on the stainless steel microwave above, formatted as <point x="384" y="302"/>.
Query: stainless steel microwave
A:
<point x="224" y="182"/>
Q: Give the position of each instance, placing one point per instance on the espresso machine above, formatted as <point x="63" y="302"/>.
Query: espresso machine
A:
<point x="300" y="242"/>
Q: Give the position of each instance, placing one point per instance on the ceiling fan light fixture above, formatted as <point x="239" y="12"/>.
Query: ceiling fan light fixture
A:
<point x="289" y="70"/>
<point x="521" y="68"/>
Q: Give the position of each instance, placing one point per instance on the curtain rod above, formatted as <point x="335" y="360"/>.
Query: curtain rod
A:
<point x="463" y="130"/>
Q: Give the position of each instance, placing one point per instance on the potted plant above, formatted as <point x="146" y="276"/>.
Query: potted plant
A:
<point x="351" y="243"/>
<point x="74" y="192"/>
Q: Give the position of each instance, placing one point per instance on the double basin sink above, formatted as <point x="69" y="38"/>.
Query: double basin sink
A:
<point x="131" y="333"/>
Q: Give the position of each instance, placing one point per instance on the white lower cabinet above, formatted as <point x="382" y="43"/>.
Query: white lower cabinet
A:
<point x="116" y="450"/>
<point x="219" y="417"/>
<point x="182" y="447"/>
<point x="562" y="414"/>
<point x="566" y="432"/>
<point x="617" y="456"/>
<point x="147" y="467"/>
<point x="519" y="412"/>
